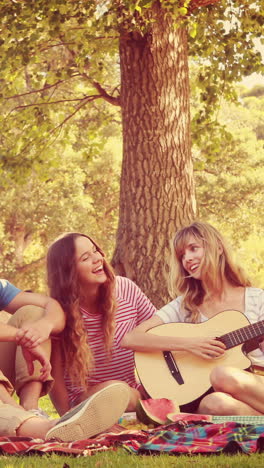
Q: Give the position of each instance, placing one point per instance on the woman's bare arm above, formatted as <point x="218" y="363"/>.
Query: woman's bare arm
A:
<point x="58" y="393"/>
<point x="139" y="340"/>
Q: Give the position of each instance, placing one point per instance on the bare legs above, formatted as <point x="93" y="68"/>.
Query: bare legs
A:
<point x="32" y="427"/>
<point x="93" y="416"/>
<point x="13" y="365"/>
<point x="5" y="397"/>
<point x="30" y="394"/>
<point x="35" y="427"/>
<point x="237" y="392"/>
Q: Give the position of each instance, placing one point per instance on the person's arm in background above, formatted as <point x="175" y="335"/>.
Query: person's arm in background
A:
<point x="52" y="322"/>
<point x="9" y="333"/>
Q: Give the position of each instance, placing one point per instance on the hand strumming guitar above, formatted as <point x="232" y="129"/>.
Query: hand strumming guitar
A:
<point x="205" y="347"/>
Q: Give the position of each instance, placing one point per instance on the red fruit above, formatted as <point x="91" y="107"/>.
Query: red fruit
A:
<point x="188" y="417"/>
<point x="155" y="411"/>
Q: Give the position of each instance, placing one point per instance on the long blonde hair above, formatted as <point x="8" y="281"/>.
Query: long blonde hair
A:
<point x="216" y="266"/>
<point x="64" y="286"/>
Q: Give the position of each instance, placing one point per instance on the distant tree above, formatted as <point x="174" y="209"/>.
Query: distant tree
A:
<point x="257" y="91"/>
<point x="36" y="211"/>
<point x="230" y="188"/>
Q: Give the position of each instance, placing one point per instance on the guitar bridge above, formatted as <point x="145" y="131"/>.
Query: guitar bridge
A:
<point x="173" y="368"/>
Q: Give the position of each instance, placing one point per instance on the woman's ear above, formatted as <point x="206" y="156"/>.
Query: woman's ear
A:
<point x="220" y="249"/>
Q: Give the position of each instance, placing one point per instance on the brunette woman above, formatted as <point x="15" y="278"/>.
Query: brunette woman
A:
<point x="100" y="309"/>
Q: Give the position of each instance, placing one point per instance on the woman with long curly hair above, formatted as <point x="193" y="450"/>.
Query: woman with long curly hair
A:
<point x="100" y="308"/>
<point x="207" y="281"/>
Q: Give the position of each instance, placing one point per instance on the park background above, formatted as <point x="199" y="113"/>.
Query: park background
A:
<point x="125" y="120"/>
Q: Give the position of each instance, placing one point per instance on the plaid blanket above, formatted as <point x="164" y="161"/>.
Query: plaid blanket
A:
<point x="184" y="436"/>
<point x="228" y="437"/>
<point x="27" y="445"/>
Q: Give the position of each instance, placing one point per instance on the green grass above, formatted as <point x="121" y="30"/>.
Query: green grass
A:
<point x="122" y="459"/>
<point x="46" y="405"/>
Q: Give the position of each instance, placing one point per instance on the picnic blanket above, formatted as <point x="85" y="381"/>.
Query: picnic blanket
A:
<point x="187" y="435"/>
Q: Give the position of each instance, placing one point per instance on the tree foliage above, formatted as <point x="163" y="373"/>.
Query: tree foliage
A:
<point x="56" y="61"/>
<point x="37" y="210"/>
<point x="230" y="189"/>
<point x="60" y="100"/>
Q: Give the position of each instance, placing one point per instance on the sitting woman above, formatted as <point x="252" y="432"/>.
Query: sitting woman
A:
<point x="100" y="308"/>
<point x="208" y="282"/>
<point x="35" y="317"/>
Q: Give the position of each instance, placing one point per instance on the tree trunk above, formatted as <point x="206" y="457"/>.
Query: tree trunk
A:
<point x="157" y="187"/>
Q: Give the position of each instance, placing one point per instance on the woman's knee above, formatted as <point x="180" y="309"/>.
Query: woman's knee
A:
<point x="106" y="383"/>
<point x="11" y="418"/>
<point x="226" y="379"/>
<point x="134" y="394"/>
<point x="97" y="387"/>
<point x="27" y="313"/>
<point x="216" y="403"/>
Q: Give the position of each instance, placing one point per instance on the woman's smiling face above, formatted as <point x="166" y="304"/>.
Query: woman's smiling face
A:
<point x="89" y="262"/>
<point x="192" y="257"/>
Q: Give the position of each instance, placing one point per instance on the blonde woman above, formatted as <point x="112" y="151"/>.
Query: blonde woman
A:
<point x="99" y="308"/>
<point x="207" y="282"/>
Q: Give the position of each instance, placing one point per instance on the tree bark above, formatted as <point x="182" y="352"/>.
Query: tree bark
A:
<point x="157" y="187"/>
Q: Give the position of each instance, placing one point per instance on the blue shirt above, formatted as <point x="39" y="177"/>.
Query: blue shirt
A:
<point x="7" y="292"/>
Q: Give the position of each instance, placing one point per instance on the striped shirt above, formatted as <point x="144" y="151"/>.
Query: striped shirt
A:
<point x="133" y="307"/>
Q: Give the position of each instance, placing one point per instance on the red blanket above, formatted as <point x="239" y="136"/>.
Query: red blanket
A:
<point x="23" y="445"/>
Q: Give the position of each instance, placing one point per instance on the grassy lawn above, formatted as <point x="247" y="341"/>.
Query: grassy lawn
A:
<point x="121" y="459"/>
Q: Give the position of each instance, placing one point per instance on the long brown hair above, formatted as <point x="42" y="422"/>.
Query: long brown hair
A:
<point x="64" y="286"/>
<point x="217" y="265"/>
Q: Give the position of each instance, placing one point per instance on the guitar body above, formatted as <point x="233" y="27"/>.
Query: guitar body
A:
<point x="155" y="375"/>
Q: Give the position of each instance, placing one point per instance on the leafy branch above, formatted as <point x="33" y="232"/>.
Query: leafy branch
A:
<point x="40" y="90"/>
<point x="107" y="97"/>
<point x="86" y="99"/>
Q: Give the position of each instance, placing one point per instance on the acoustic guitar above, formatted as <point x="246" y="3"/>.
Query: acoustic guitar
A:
<point x="184" y="377"/>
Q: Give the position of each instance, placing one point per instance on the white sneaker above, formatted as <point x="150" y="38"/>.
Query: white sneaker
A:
<point x="94" y="415"/>
<point x="39" y="412"/>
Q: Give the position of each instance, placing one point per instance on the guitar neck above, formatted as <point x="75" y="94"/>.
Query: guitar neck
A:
<point x="242" y="335"/>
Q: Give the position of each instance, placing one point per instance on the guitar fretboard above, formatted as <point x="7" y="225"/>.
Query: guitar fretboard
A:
<point x="242" y="335"/>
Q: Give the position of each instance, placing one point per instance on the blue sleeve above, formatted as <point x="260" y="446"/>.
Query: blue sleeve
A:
<point x="7" y="292"/>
